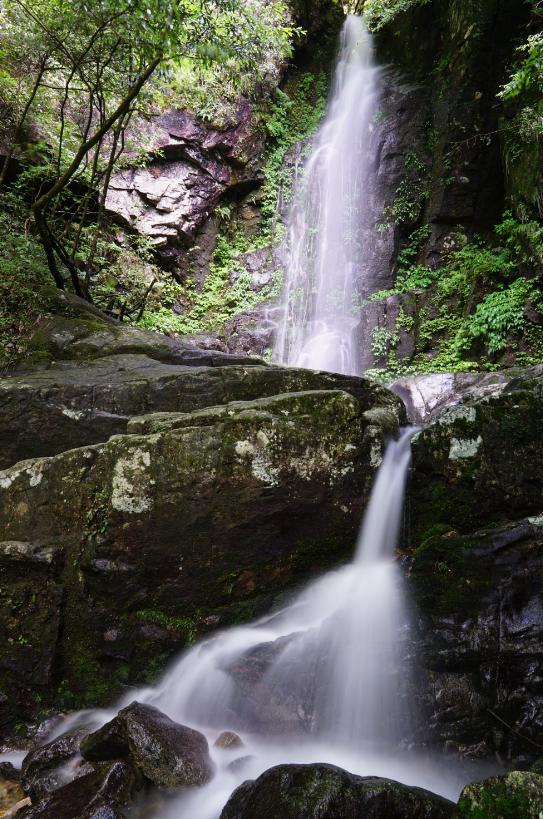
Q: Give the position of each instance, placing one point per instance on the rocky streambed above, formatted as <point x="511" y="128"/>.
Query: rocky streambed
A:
<point x="152" y="493"/>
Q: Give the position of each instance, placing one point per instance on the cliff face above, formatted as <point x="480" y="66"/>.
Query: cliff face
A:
<point x="459" y="54"/>
<point x="446" y="168"/>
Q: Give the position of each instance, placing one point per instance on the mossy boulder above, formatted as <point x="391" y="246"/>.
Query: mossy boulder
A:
<point x="326" y="792"/>
<point x="91" y="335"/>
<point x="476" y="538"/>
<point x="194" y="521"/>
<point x="481" y="463"/>
<point x="70" y="403"/>
<point x="168" y="754"/>
<point x="516" y="795"/>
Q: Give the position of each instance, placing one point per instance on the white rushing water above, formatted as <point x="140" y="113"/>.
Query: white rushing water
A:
<point x="325" y="679"/>
<point x="336" y="685"/>
<point x="326" y="261"/>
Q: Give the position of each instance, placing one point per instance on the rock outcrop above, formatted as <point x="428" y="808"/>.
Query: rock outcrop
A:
<point x="100" y="794"/>
<point x="94" y="376"/>
<point x="425" y="396"/>
<point x="481" y="463"/>
<point x="326" y="792"/>
<point x="50" y="766"/>
<point x="169" y="199"/>
<point x="195" y="513"/>
<point x="475" y="525"/>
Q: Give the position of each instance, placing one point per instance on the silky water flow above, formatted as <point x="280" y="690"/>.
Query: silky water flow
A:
<point x="336" y="681"/>
<point x="331" y="216"/>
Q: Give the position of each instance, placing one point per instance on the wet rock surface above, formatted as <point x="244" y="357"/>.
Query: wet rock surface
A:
<point x="326" y="792"/>
<point x="425" y="396"/>
<point x="98" y="795"/>
<point x="9" y="772"/>
<point x="117" y="553"/>
<point x="474" y="523"/>
<point x="480" y="636"/>
<point x="54" y="764"/>
<point x="168" y="754"/>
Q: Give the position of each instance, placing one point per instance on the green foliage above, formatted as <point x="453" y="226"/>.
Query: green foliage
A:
<point x="227" y="290"/>
<point x="410" y="194"/>
<point x="489" y="805"/>
<point x="295" y="114"/>
<point x="379" y="13"/>
<point x="528" y="76"/>
<point x="500" y="313"/>
<point x="479" y="295"/>
<point x="95" y="64"/>
<point x="382" y="340"/>
<point x="23" y="272"/>
<point x="125" y="278"/>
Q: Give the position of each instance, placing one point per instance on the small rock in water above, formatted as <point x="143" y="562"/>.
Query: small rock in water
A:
<point x="240" y="763"/>
<point x="98" y="795"/>
<point x="169" y="754"/>
<point x="228" y="739"/>
<point x="9" y="772"/>
<point x="325" y="792"/>
<point x="53" y="765"/>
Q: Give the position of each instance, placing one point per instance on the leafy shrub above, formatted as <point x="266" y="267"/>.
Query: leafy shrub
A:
<point x="379" y="13"/>
<point x="23" y="279"/>
<point x="499" y="313"/>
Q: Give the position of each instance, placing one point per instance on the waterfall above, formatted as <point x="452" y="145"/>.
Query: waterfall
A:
<point x="335" y="660"/>
<point x="326" y="259"/>
<point x="325" y="679"/>
<point x="334" y="683"/>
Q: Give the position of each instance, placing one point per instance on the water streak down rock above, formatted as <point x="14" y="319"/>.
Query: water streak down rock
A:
<point x="178" y="525"/>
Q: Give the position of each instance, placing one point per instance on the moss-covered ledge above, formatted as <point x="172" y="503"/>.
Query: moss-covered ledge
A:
<point x="191" y="522"/>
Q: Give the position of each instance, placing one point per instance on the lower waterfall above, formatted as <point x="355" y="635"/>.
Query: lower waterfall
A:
<point x="325" y="679"/>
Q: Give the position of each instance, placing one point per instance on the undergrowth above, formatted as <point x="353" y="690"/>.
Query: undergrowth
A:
<point x="25" y="294"/>
<point x="474" y="307"/>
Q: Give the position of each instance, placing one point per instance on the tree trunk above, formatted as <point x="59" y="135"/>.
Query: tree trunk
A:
<point x="45" y="237"/>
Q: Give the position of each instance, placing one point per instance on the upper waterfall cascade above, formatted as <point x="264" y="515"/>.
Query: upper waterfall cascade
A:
<point x="325" y="259"/>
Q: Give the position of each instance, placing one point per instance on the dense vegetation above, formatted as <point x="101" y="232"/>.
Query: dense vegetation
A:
<point x="77" y="87"/>
<point x="77" y="81"/>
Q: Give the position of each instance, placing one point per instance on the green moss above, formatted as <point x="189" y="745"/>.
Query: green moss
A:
<point x="517" y="795"/>
<point x="185" y="625"/>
